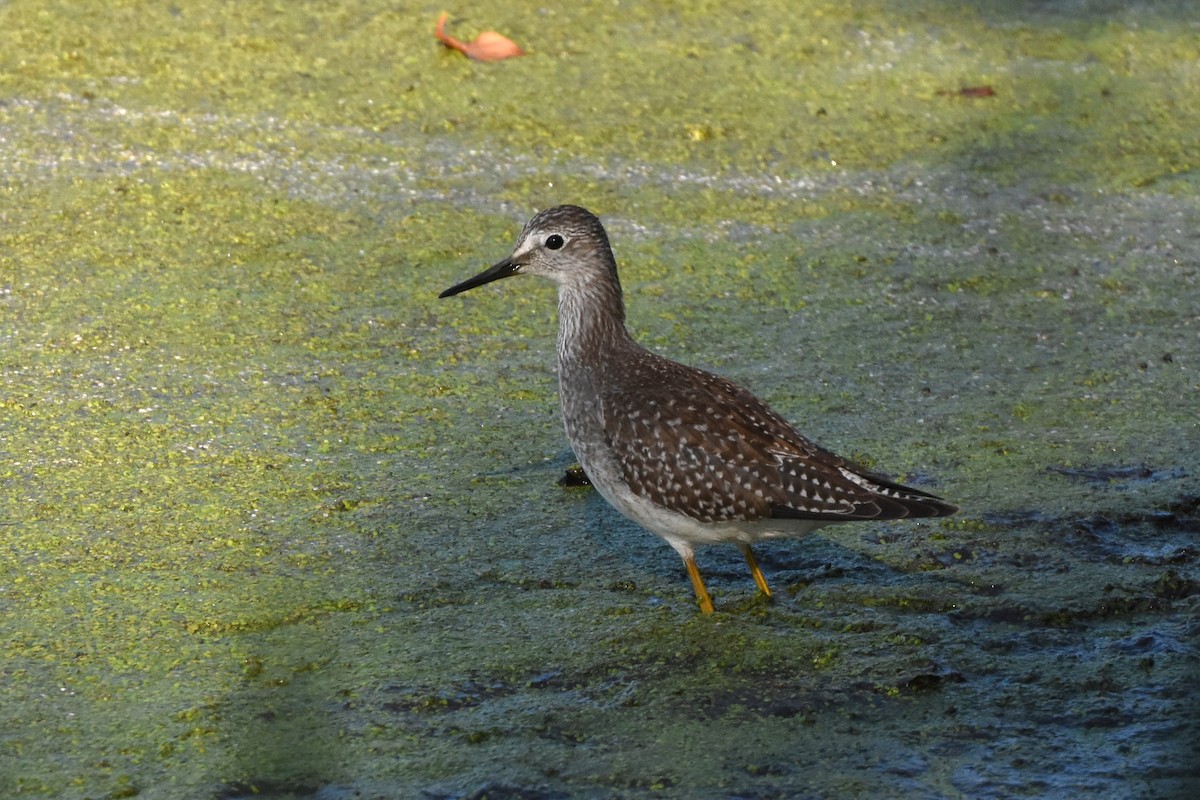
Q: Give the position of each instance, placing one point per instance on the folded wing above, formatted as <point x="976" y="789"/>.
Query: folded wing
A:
<point x="698" y="444"/>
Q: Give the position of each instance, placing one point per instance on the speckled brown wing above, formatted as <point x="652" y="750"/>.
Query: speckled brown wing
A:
<point x="698" y="444"/>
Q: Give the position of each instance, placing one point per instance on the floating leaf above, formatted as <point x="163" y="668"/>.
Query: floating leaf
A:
<point x="488" y="46"/>
<point x="970" y="91"/>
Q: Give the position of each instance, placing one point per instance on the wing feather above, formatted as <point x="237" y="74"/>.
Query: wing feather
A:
<point x="695" y="443"/>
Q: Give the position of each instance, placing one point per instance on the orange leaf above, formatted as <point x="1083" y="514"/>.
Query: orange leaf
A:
<point x="488" y="46"/>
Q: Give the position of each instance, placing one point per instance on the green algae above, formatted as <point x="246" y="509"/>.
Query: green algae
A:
<point x="275" y="521"/>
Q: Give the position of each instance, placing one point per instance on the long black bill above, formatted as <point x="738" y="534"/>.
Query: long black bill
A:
<point x="494" y="273"/>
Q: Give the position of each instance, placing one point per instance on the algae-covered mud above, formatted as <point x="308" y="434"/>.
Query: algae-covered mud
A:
<point x="277" y="522"/>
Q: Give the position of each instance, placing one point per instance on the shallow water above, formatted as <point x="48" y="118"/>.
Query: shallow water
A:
<point x="277" y="522"/>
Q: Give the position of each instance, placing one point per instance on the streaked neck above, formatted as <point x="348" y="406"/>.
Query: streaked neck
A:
<point x="591" y="320"/>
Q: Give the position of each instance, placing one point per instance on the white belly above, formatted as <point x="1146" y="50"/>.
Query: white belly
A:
<point x="679" y="530"/>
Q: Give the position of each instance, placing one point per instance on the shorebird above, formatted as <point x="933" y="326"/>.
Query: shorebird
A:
<point x="691" y="456"/>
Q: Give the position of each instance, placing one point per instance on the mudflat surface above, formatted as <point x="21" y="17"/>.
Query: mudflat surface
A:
<point x="277" y="522"/>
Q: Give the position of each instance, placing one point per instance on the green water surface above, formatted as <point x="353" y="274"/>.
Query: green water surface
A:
<point x="277" y="522"/>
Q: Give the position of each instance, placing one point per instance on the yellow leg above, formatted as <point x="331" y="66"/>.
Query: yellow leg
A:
<point x="698" y="584"/>
<point x="759" y="580"/>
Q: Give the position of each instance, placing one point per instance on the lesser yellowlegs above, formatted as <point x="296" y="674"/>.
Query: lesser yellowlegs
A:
<point x="689" y="455"/>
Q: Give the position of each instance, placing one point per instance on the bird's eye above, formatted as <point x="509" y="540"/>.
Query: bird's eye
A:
<point x="554" y="241"/>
